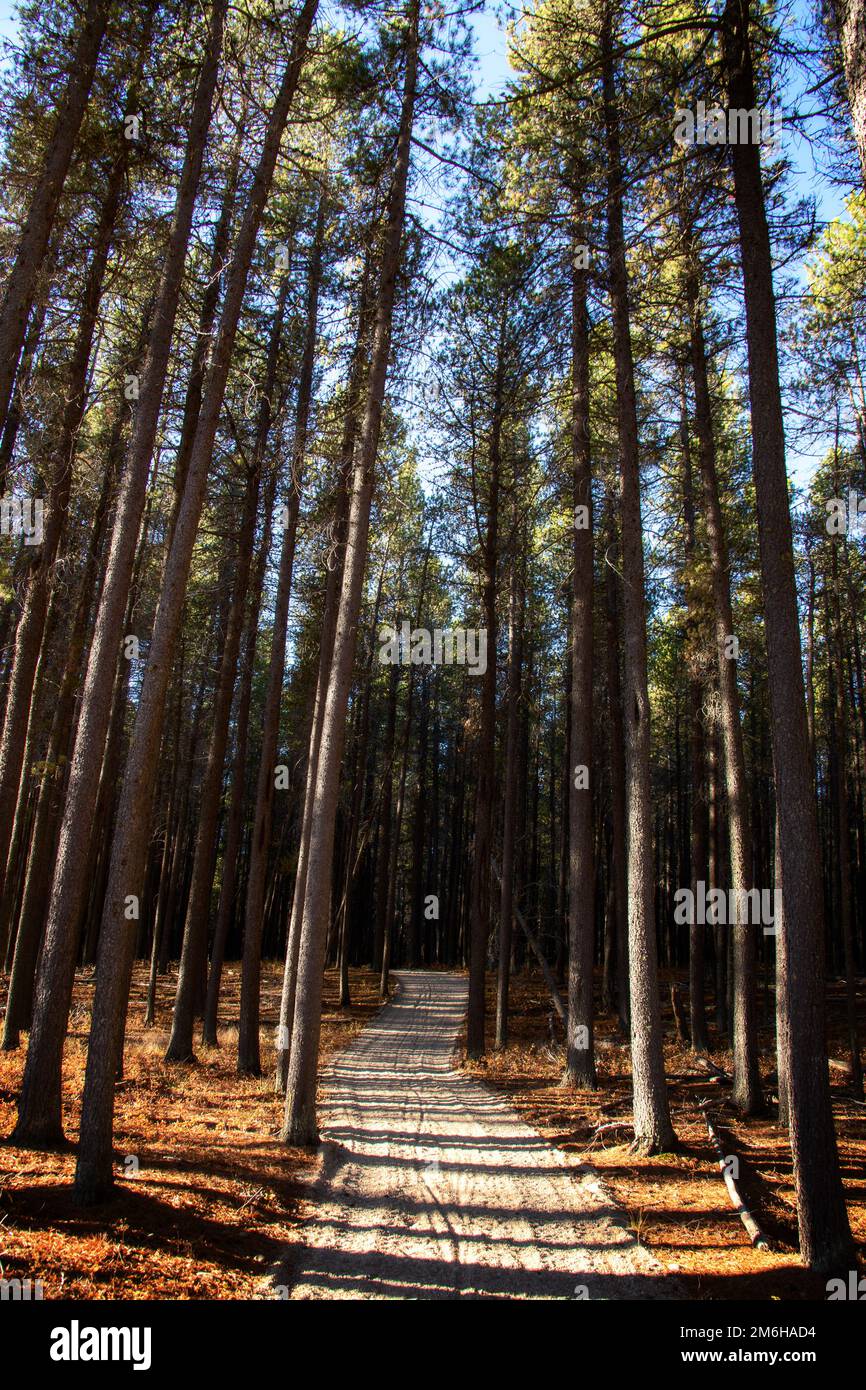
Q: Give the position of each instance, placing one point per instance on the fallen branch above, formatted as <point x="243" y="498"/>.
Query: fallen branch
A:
<point x="756" y="1235"/>
<point x="616" y="1124"/>
<point x="718" y="1072"/>
<point x="836" y="1064"/>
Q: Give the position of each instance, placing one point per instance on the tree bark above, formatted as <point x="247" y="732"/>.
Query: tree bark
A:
<point x="747" y="1078"/>
<point x="851" y="27"/>
<point x="193" y="952"/>
<point x="580" y="1051"/>
<point x="300" y="1113"/>
<point x="39" y="1111"/>
<point x="825" y="1236"/>
<point x="509" y="827"/>
<point x="129" y="850"/>
<point x="839" y="781"/>
<point x="33" y="242"/>
<point x="652" y="1124"/>
<point x="698" y="837"/>
<point x="53" y="785"/>
<point x="249" y="1062"/>
<point x="32" y="623"/>
<point x="616" y="750"/>
<point x="333" y="585"/>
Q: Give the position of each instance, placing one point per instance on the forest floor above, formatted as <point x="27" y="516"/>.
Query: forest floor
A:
<point x="677" y="1204"/>
<point x="208" y="1199"/>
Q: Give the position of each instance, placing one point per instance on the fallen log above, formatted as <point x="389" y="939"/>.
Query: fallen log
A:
<point x="755" y="1234"/>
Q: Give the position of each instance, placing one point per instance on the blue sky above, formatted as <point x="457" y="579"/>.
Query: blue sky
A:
<point x="490" y="44"/>
<point x="8" y="23"/>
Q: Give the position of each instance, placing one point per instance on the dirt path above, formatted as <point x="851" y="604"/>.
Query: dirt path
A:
<point x="433" y="1187"/>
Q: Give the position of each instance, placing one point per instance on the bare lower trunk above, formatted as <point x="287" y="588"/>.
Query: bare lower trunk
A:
<point x="617" y="771"/>
<point x="52" y="788"/>
<point x="839" y="780"/>
<point x="698" y="837"/>
<point x="333" y="586"/>
<point x="506" y="899"/>
<point x="782" y="1040"/>
<point x="249" y="1062"/>
<point x="652" y="1124"/>
<point x="32" y="623"/>
<point x="747" y="1080"/>
<point x="39" y="1113"/>
<point x="234" y="831"/>
<point x="193" y="953"/>
<point x="480" y="895"/>
<point x="825" y="1237"/>
<point x="580" y="1053"/>
<point x="300" y="1115"/>
<point x="129" y="850"/>
<point x="193" y="949"/>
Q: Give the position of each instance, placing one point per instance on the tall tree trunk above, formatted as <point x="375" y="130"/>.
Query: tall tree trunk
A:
<point x="652" y="1123"/>
<point x="33" y="242"/>
<point x="300" y="1114"/>
<point x="333" y="586"/>
<point x="698" y="837"/>
<point x="782" y="1040"/>
<point x="393" y="861"/>
<point x="839" y="762"/>
<point x="53" y="784"/>
<point x="204" y="329"/>
<point x="385" y="818"/>
<point x="249" y="1062"/>
<point x="509" y="826"/>
<point x="39" y="1111"/>
<point x="720" y="934"/>
<point x="32" y="623"/>
<point x="17" y="405"/>
<point x="825" y="1236"/>
<point x="193" y="953"/>
<point x="580" y="1052"/>
<point x="480" y="891"/>
<point x="234" y="830"/>
<point x="747" y="1078"/>
<point x="616" y="750"/>
<point x="356" y="815"/>
<point x="416" y="897"/>
<point x="129" y="850"/>
<point x="160" y="919"/>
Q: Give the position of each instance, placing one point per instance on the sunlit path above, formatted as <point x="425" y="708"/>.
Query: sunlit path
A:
<point x="433" y="1187"/>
